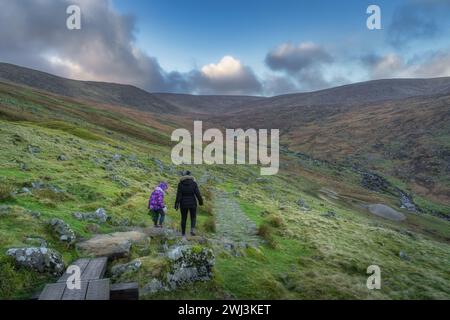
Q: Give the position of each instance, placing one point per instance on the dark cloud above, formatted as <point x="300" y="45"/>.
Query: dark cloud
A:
<point x="303" y="62"/>
<point x="33" y="33"/>
<point x="417" y="20"/>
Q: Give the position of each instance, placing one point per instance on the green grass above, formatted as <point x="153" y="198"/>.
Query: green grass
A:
<point x="306" y="255"/>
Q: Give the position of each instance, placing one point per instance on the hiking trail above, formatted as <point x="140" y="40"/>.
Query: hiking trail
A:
<point x="232" y="225"/>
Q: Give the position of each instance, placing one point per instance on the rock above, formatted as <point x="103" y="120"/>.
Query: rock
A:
<point x="117" y="157"/>
<point x="39" y="259"/>
<point x="120" y="269"/>
<point x="404" y="256"/>
<point x="386" y="212"/>
<point x="113" y="245"/>
<point x="34" y="214"/>
<point x="33" y="149"/>
<point x="375" y="182"/>
<point x="303" y="205"/>
<point x="330" y="214"/>
<point x="189" y="264"/>
<point x="406" y="202"/>
<point x="25" y="190"/>
<point x="62" y="158"/>
<point x="99" y="216"/>
<point x="63" y="230"/>
<point x="153" y="287"/>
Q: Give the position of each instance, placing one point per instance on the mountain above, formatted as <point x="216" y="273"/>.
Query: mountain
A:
<point x="309" y="232"/>
<point x="356" y="94"/>
<point x="99" y="92"/>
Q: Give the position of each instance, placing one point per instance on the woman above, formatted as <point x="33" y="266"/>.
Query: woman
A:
<point x="156" y="204"/>
<point x="187" y="196"/>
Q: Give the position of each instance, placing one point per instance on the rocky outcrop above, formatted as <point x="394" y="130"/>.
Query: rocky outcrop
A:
<point x="120" y="269"/>
<point x="62" y="230"/>
<point x="99" y="216"/>
<point x="41" y="259"/>
<point x="189" y="264"/>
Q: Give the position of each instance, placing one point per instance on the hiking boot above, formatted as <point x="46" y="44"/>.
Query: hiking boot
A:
<point x="184" y="239"/>
<point x="193" y="233"/>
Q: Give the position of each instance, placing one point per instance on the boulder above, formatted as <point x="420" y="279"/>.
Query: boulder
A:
<point x="113" y="245"/>
<point x="189" y="264"/>
<point x="62" y="230"/>
<point x="41" y="259"/>
<point x="62" y="158"/>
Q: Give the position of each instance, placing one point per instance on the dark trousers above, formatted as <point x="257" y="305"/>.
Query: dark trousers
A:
<point x="184" y="214"/>
<point x="158" y="216"/>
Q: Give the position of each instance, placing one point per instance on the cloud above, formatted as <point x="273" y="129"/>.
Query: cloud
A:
<point x="303" y="62"/>
<point x="429" y="65"/>
<point x="33" y="33"/>
<point x="292" y="59"/>
<point x="417" y="21"/>
<point x="383" y="66"/>
<point x="228" y="76"/>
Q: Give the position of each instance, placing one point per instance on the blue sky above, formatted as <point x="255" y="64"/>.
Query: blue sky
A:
<point x="185" y="33"/>
<point x="258" y="47"/>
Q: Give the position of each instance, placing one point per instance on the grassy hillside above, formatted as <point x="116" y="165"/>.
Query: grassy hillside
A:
<point x="115" y="157"/>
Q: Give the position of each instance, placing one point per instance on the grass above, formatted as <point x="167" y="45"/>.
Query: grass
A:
<point x="306" y="255"/>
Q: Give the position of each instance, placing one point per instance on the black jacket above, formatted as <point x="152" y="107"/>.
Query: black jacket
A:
<point x="188" y="193"/>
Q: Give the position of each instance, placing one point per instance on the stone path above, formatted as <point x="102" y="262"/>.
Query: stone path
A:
<point x="232" y="225"/>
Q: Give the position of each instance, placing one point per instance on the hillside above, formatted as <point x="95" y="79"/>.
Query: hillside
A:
<point x="315" y="236"/>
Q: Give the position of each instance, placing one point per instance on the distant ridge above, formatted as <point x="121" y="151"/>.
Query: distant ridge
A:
<point x="131" y="96"/>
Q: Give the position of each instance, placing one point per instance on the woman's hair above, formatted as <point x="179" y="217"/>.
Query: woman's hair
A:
<point x="187" y="173"/>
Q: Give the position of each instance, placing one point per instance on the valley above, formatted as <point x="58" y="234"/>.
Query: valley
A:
<point x="363" y="181"/>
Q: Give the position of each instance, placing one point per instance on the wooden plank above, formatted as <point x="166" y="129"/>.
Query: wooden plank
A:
<point x="82" y="263"/>
<point x="53" y="291"/>
<point x="98" y="290"/>
<point x="125" y="291"/>
<point x="95" y="269"/>
<point x="75" y="294"/>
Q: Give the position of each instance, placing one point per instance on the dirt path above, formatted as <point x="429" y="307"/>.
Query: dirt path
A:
<point x="232" y="225"/>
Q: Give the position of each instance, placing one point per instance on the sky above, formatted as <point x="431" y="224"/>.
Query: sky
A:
<point x="249" y="47"/>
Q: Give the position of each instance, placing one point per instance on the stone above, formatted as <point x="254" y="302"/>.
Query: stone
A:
<point x="40" y="259"/>
<point x="117" y="157"/>
<point x="99" y="216"/>
<point x="303" y="205"/>
<point x="113" y="245"/>
<point x="153" y="287"/>
<point x="62" y="230"/>
<point x="330" y="214"/>
<point x="404" y="256"/>
<point x="33" y="149"/>
<point x="406" y="202"/>
<point x="189" y="264"/>
<point x="120" y="269"/>
<point x="62" y="158"/>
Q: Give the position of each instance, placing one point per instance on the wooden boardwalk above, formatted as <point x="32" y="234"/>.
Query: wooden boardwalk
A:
<point x="93" y="287"/>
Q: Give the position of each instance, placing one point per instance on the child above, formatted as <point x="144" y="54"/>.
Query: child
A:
<point x="156" y="204"/>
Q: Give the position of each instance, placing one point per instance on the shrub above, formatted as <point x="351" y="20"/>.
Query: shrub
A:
<point x="275" y="221"/>
<point x="210" y="225"/>
<point x="266" y="232"/>
<point x="6" y="192"/>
